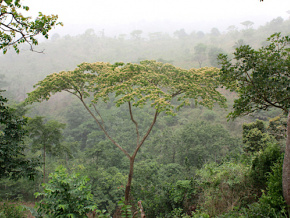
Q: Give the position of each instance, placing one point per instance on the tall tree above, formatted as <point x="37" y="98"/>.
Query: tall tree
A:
<point x="134" y="85"/>
<point x="46" y="136"/>
<point x="262" y="80"/>
<point x="16" y="28"/>
<point x="248" y="24"/>
<point x="200" y="53"/>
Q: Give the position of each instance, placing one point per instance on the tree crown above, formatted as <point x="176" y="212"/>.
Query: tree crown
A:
<point x="260" y="77"/>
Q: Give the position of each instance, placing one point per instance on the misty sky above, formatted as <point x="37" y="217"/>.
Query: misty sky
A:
<point x="123" y="16"/>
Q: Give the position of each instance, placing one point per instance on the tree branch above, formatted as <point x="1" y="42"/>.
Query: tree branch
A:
<point x="134" y="121"/>
<point x="146" y="135"/>
<point x="106" y="133"/>
<point x="99" y="114"/>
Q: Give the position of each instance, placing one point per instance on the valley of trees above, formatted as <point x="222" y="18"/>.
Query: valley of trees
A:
<point x="183" y="125"/>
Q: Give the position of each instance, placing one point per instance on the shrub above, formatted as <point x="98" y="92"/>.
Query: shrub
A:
<point x="65" y="195"/>
<point x="223" y="187"/>
<point x="262" y="164"/>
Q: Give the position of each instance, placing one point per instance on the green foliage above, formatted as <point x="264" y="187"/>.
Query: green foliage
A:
<point x="125" y="209"/>
<point x="16" y="28"/>
<point x="260" y="77"/>
<point x="66" y="195"/>
<point x="181" y="194"/>
<point x="274" y="193"/>
<point x="262" y="163"/>
<point x="277" y="128"/>
<point x="136" y="85"/>
<point x="271" y="204"/>
<point x="19" y="190"/>
<point x="255" y="137"/>
<point x="13" y="162"/>
<point x="46" y="134"/>
<point x="149" y="81"/>
<point x="161" y="188"/>
<point x="107" y="186"/>
<point x="223" y="187"/>
<point x="203" y="142"/>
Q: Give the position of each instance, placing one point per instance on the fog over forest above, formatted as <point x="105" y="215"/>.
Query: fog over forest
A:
<point x="166" y="108"/>
<point x="122" y="17"/>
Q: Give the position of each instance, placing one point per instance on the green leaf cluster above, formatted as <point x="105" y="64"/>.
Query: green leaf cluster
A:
<point x="16" y="28"/>
<point x="66" y="195"/>
<point x="260" y="77"/>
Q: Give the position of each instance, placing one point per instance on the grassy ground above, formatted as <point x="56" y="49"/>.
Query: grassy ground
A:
<point x="14" y="209"/>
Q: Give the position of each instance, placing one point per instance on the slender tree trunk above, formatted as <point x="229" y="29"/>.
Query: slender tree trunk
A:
<point x="286" y="167"/>
<point x="130" y="177"/>
<point x="44" y="151"/>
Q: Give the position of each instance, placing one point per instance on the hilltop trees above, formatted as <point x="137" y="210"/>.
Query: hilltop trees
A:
<point x="134" y="85"/>
<point x="262" y="80"/>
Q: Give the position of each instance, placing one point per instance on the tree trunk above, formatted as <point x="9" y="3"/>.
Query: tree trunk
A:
<point x="286" y="167"/>
<point x="130" y="176"/>
<point x="44" y="150"/>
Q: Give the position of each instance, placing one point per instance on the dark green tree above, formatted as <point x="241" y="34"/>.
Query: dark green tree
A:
<point x="13" y="162"/>
<point x="260" y="77"/>
<point x="262" y="80"/>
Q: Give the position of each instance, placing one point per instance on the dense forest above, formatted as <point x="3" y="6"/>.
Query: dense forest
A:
<point x="192" y="158"/>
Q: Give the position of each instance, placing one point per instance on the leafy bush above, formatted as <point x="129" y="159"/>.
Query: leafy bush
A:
<point x="262" y="164"/>
<point x="273" y="197"/>
<point x="125" y="208"/>
<point x="254" y="136"/>
<point x="65" y="195"/>
<point x="271" y="203"/>
<point x="223" y="187"/>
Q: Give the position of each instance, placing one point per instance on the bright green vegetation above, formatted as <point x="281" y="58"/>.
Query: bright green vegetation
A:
<point x="166" y="119"/>
<point x="15" y="28"/>
<point x="65" y="195"/>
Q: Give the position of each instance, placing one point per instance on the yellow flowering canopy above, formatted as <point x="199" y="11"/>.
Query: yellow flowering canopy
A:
<point x="149" y="81"/>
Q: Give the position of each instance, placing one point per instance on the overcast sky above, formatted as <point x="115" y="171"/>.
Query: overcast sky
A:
<point x="122" y="16"/>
